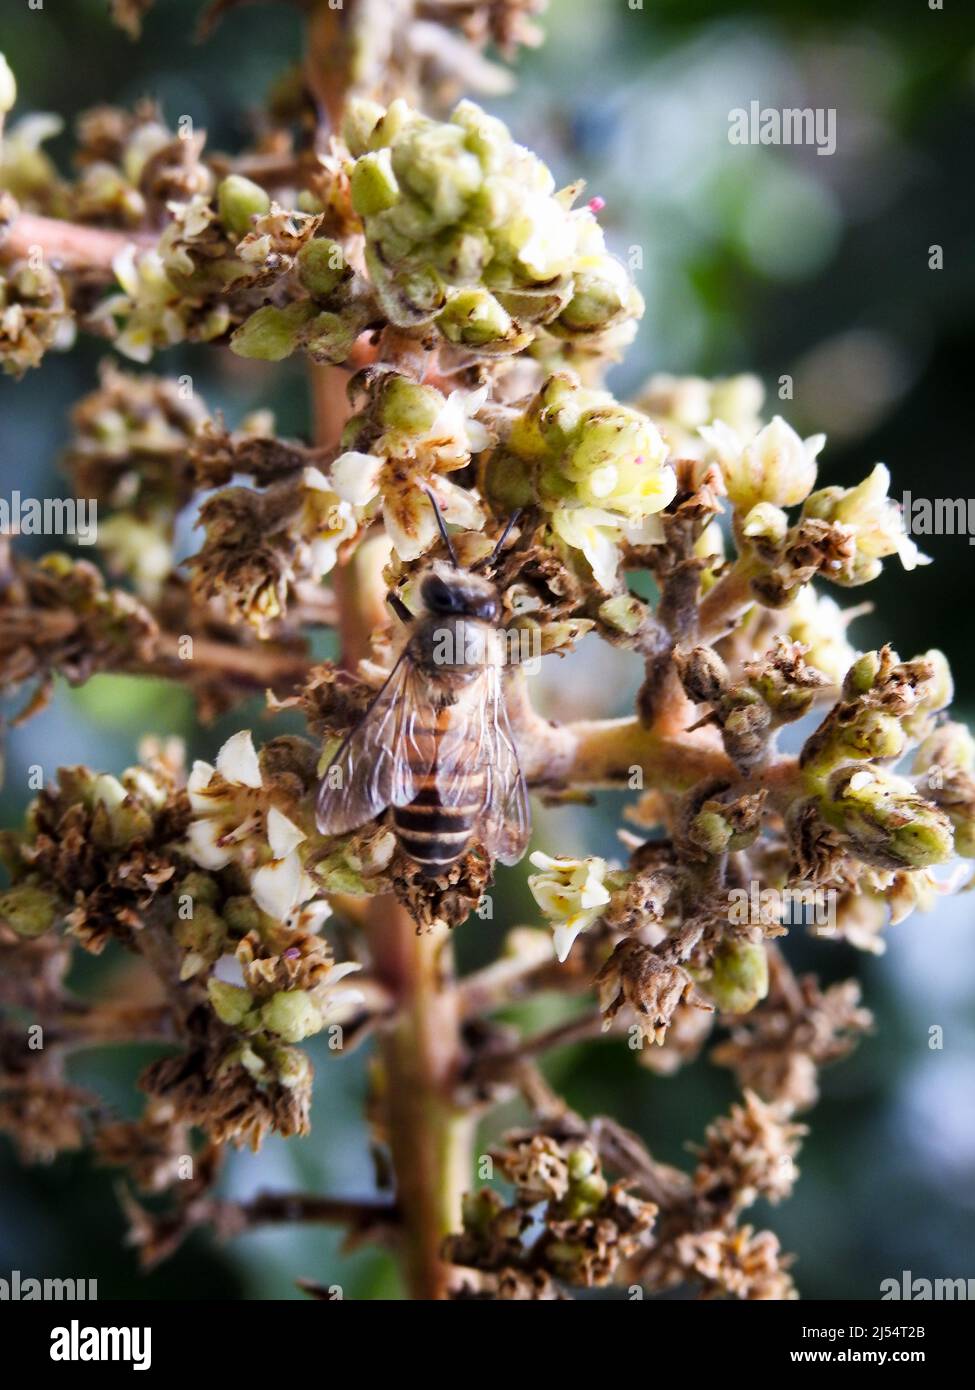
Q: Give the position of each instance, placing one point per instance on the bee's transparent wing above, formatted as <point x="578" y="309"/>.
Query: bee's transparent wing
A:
<point x="379" y="763"/>
<point x="477" y="761"/>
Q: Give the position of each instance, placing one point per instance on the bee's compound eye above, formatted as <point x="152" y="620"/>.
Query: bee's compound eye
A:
<point x="439" y="597"/>
<point x="487" y="608"/>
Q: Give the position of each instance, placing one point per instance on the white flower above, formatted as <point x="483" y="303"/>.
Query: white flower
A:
<point x="543" y="235"/>
<point x="355" y="477"/>
<point x="571" y="894"/>
<point x="338" y="1005"/>
<point x="597" y="533"/>
<point x="234" y="824"/>
<point x="818" y="622"/>
<point x="408" y="514"/>
<point x="777" y="466"/>
<point x="327" y="520"/>
<point x="877" y="520"/>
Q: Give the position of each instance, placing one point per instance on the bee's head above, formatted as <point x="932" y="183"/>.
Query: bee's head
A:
<point x="448" y="591"/>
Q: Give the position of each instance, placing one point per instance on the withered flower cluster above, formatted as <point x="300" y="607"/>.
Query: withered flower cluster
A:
<point x="457" y="314"/>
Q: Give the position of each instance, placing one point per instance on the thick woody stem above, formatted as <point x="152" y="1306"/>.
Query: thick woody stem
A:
<point x="429" y="1137"/>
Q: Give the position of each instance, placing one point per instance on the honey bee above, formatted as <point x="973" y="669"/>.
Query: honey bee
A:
<point x="435" y="746"/>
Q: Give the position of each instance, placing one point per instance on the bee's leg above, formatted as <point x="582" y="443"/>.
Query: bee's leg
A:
<point x="399" y="608"/>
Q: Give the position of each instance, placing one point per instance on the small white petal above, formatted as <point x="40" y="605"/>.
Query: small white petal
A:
<point x="276" y="886"/>
<point x="202" y="837"/>
<point x="355" y="477"/>
<point x="282" y="834"/>
<point x="237" y="760"/>
<point x="564" y="934"/>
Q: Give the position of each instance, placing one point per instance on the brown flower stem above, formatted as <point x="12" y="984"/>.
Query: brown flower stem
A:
<point x="255" y="667"/>
<point x="66" y="245"/>
<point x="724" y="604"/>
<point x="76" y="1025"/>
<point x="429" y="1137"/>
<point x="502" y="1066"/>
<point x="291" y="1208"/>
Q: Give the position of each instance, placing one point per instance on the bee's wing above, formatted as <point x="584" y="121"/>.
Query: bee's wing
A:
<point x="480" y="742"/>
<point x="378" y="764"/>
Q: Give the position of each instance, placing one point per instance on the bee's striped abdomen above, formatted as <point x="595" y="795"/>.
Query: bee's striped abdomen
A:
<point x="436" y="828"/>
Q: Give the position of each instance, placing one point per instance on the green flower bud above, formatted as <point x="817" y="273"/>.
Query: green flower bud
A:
<point x="373" y="184"/>
<point x="271" y="334"/>
<point x="406" y="406"/>
<point x="29" y="911"/>
<point x="585" y="1196"/>
<point x="474" y="318"/>
<point x="430" y="160"/>
<point x="486" y="136"/>
<point x="291" y="1067"/>
<point x="322" y="266"/>
<point x="239" y="201"/>
<point x="242" y="915"/>
<point x="291" y="1014"/>
<point x="950" y="746"/>
<point x="888" y="823"/>
<point x="601" y="294"/>
<point x="358" y="123"/>
<point x="711" y="832"/>
<point x="330" y="337"/>
<point x="398" y="118"/>
<point x="204" y="933"/>
<point x="201" y="887"/>
<point x="230" y="1003"/>
<point x="861" y="675"/>
<point x="582" y="1162"/>
<point x="625" y="613"/>
<point x="739" y="977"/>
<point x="509" y="482"/>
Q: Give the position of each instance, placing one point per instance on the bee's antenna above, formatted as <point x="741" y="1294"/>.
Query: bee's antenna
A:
<point x="442" y="525"/>
<point x="504" y="535"/>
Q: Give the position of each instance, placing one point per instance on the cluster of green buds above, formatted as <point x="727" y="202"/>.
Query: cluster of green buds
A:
<point x="330" y="306"/>
<point x="885" y="819"/>
<point x="945" y="766"/>
<point x="92" y="853"/>
<point x="465" y="231"/>
<point x="597" y="469"/>
<point x="886" y="705"/>
<point x="583" y="1225"/>
<point x="776" y="689"/>
<point x="288" y="996"/>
